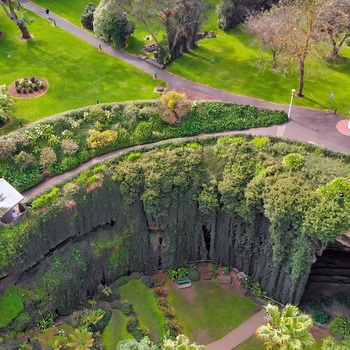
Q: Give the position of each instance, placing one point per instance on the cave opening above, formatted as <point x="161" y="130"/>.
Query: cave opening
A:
<point x="207" y="240"/>
<point x="330" y="274"/>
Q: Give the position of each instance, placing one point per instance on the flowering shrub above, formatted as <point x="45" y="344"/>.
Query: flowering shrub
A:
<point x="98" y="115"/>
<point x="69" y="146"/>
<point x="24" y="160"/>
<point x="42" y="131"/>
<point x="98" y="140"/>
<point x="53" y="140"/>
<point x="47" y="157"/>
<point x="7" y="146"/>
<point x="6" y="104"/>
<point x="67" y="134"/>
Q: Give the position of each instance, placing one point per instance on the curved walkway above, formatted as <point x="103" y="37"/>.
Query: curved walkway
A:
<point x="306" y="125"/>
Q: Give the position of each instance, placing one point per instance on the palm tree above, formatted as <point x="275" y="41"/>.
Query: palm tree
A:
<point x="287" y="329"/>
<point x="81" y="339"/>
<point x="181" y="342"/>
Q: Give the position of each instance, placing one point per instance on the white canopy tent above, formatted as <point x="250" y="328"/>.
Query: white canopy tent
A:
<point x="9" y="197"/>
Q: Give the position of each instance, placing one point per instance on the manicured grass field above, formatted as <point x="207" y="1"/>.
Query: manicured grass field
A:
<point x="236" y="70"/>
<point x="212" y="309"/>
<point x="115" y="331"/>
<point x="71" y="10"/>
<point x="145" y="306"/>
<point x="11" y="305"/>
<point x="77" y="73"/>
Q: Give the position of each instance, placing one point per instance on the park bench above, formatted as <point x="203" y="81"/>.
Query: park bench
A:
<point x="150" y="47"/>
<point x="183" y="280"/>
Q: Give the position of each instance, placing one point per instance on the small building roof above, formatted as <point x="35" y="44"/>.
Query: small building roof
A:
<point x="9" y="197"/>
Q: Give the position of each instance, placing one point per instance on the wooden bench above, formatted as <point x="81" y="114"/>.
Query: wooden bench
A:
<point x="150" y="47"/>
<point x="183" y="280"/>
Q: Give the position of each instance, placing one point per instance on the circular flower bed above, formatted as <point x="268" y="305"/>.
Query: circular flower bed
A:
<point x="28" y="87"/>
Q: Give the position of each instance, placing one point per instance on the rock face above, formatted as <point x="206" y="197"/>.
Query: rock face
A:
<point x="330" y="274"/>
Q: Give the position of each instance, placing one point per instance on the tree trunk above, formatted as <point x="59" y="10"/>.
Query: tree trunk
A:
<point x="274" y="59"/>
<point x="25" y="32"/>
<point x="301" y="76"/>
<point x="21" y="25"/>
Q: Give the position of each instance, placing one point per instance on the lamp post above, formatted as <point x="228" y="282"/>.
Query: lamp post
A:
<point x="291" y="102"/>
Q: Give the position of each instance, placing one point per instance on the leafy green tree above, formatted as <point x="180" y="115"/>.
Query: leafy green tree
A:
<point x="6" y="104"/>
<point x="87" y="18"/>
<point x="81" y="339"/>
<point x="287" y="329"/>
<point x="111" y="25"/>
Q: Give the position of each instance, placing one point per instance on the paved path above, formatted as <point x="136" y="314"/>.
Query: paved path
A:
<point x="240" y="334"/>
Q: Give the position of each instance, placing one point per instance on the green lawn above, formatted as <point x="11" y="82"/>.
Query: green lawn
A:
<point x="253" y="343"/>
<point x="212" y="309"/>
<point x="145" y="306"/>
<point x="77" y="73"/>
<point x="235" y="68"/>
<point x="71" y="10"/>
<point x="11" y="305"/>
<point x="115" y="331"/>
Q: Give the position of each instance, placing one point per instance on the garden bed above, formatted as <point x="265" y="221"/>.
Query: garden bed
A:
<point x="33" y="87"/>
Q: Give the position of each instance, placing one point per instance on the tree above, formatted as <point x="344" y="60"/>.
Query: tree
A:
<point x="232" y="13"/>
<point x="335" y="17"/>
<point x="111" y="25"/>
<point x="287" y="329"/>
<point x="6" y="104"/>
<point x="182" y="21"/>
<point x="81" y="339"/>
<point x="268" y="29"/>
<point x="11" y="14"/>
<point x="297" y="27"/>
<point x="87" y="18"/>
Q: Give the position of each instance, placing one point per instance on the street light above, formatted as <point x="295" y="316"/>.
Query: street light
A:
<point x="291" y="102"/>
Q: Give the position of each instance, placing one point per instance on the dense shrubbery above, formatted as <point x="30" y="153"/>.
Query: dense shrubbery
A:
<point x="61" y="143"/>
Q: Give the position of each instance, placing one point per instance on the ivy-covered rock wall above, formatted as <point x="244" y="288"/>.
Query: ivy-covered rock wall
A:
<point x="259" y="204"/>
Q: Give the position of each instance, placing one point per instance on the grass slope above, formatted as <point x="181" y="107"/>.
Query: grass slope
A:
<point x="212" y="309"/>
<point x="115" y="331"/>
<point x="77" y="73"/>
<point x="145" y="306"/>
<point x="11" y="305"/>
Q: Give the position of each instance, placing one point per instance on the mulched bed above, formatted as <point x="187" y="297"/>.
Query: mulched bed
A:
<point x="13" y="92"/>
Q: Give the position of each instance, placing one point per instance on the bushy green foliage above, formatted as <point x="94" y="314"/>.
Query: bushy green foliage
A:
<point x="6" y="105"/>
<point x="320" y="317"/>
<point x="46" y="198"/>
<point x="11" y="305"/>
<point x="329" y="343"/>
<point x="293" y="161"/>
<point x="87" y="18"/>
<point x="111" y="24"/>
<point x="340" y="326"/>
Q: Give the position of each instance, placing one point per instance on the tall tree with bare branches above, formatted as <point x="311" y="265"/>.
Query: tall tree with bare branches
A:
<point x="292" y="29"/>
<point x="335" y="17"/>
